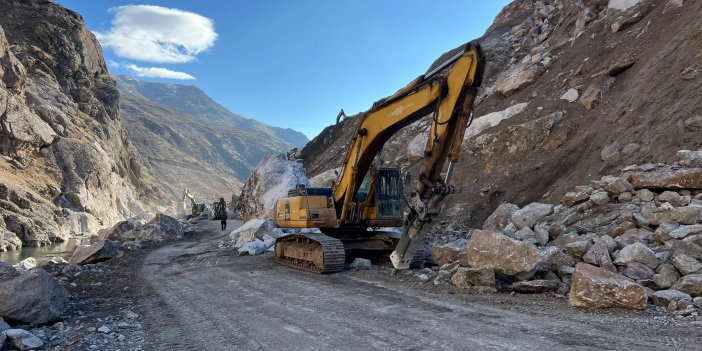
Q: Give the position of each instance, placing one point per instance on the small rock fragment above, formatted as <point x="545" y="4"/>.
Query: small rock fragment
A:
<point x="23" y="340"/>
<point x="535" y="286"/>
<point x="571" y="95"/>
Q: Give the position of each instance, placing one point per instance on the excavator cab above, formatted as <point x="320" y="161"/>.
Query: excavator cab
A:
<point x="388" y="193"/>
<point x="380" y="197"/>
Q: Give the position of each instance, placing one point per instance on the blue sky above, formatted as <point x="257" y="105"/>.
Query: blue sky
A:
<point x="287" y="63"/>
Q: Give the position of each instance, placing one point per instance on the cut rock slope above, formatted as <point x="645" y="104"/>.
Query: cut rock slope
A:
<point x="573" y="90"/>
<point x="68" y="167"/>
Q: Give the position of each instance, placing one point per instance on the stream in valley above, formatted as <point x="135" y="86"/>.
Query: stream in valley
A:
<point x="64" y="249"/>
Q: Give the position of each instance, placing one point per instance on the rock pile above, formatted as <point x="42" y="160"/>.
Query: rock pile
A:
<point x="621" y="241"/>
<point x="272" y="178"/>
<point x="135" y="234"/>
<point x="255" y="237"/>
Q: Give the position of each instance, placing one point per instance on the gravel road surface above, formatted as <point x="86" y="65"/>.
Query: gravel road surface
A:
<point x="206" y="298"/>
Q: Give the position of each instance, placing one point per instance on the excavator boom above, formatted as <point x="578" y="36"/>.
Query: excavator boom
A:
<point x="447" y="94"/>
<point x="366" y="195"/>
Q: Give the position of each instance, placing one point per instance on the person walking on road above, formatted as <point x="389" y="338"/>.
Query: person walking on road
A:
<point x="223" y="213"/>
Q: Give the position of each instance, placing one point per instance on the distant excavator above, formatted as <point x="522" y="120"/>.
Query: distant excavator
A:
<point x="196" y="209"/>
<point x="366" y="195"/>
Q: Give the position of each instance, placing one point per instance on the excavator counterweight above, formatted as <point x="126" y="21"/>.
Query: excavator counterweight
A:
<point x="367" y="195"/>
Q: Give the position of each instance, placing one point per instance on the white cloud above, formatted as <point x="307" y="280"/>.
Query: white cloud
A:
<point x="112" y="64"/>
<point x="158" y="34"/>
<point x="157" y="72"/>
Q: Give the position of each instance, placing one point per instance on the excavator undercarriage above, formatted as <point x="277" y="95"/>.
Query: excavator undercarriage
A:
<point x="319" y="253"/>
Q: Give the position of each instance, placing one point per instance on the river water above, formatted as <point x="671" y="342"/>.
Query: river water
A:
<point x="64" y="249"/>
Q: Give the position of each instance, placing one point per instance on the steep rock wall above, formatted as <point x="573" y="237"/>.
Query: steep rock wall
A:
<point x="68" y="166"/>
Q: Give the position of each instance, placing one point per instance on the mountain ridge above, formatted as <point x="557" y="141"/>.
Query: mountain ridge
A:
<point x="191" y="100"/>
<point x="187" y="151"/>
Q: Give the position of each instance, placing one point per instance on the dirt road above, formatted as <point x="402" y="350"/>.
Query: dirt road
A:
<point x="205" y="298"/>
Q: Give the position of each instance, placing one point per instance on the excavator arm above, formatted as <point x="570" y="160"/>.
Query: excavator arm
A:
<point x="345" y="212"/>
<point x="447" y="93"/>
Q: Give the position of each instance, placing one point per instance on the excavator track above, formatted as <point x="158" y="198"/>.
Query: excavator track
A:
<point x="311" y="252"/>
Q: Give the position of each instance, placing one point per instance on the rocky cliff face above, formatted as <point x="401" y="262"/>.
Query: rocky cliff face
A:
<point x="573" y="90"/>
<point x="192" y="101"/>
<point x="68" y="167"/>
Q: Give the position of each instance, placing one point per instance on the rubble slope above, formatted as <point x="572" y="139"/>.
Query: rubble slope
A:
<point x="632" y="76"/>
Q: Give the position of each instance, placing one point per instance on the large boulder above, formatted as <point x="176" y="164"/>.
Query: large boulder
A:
<point x="691" y="284"/>
<point x="663" y="298"/>
<point x="443" y="254"/>
<point x="686" y="178"/>
<point x="530" y="214"/>
<point x="168" y="225"/>
<point x="101" y="251"/>
<point x="685" y="231"/>
<point x="686" y="264"/>
<point x="595" y="287"/>
<point x="502" y="216"/>
<point x="255" y="229"/>
<point x="520" y="76"/>
<point x="487" y="249"/>
<point x="552" y="259"/>
<point x="637" y="252"/>
<point x="666" y="275"/>
<point x="598" y="255"/>
<point x="119" y="230"/>
<point x="42" y="298"/>
<point x="272" y="178"/>
<point x="146" y="234"/>
<point x="474" y="279"/>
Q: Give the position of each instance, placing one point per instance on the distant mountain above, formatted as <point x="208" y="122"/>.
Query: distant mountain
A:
<point x="192" y="101"/>
<point x="210" y="156"/>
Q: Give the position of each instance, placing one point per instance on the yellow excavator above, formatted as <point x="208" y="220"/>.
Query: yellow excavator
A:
<point x="366" y="195"/>
<point x="196" y="209"/>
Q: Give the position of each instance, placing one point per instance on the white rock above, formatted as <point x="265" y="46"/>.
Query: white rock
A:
<point x="325" y="179"/>
<point x="27" y="263"/>
<point x="416" y="146"/>
<point x="270" y="180"/>
<point x="423" y="278"/>
<point x="253" y="229"/>
<point x="23" y="340"/>
<point x="360" y="263"/>
<point x="530" y="214"/>
<point x="268" y="241"/>
<point x="637" y="252"/>
<point x="490" y="120"/>
<point x="622" y="4"/>
<point x="600" y="198"/>
<point x="252" y="248"/>
<point x="571" y="95"/>
<point x="104" y="329"/>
